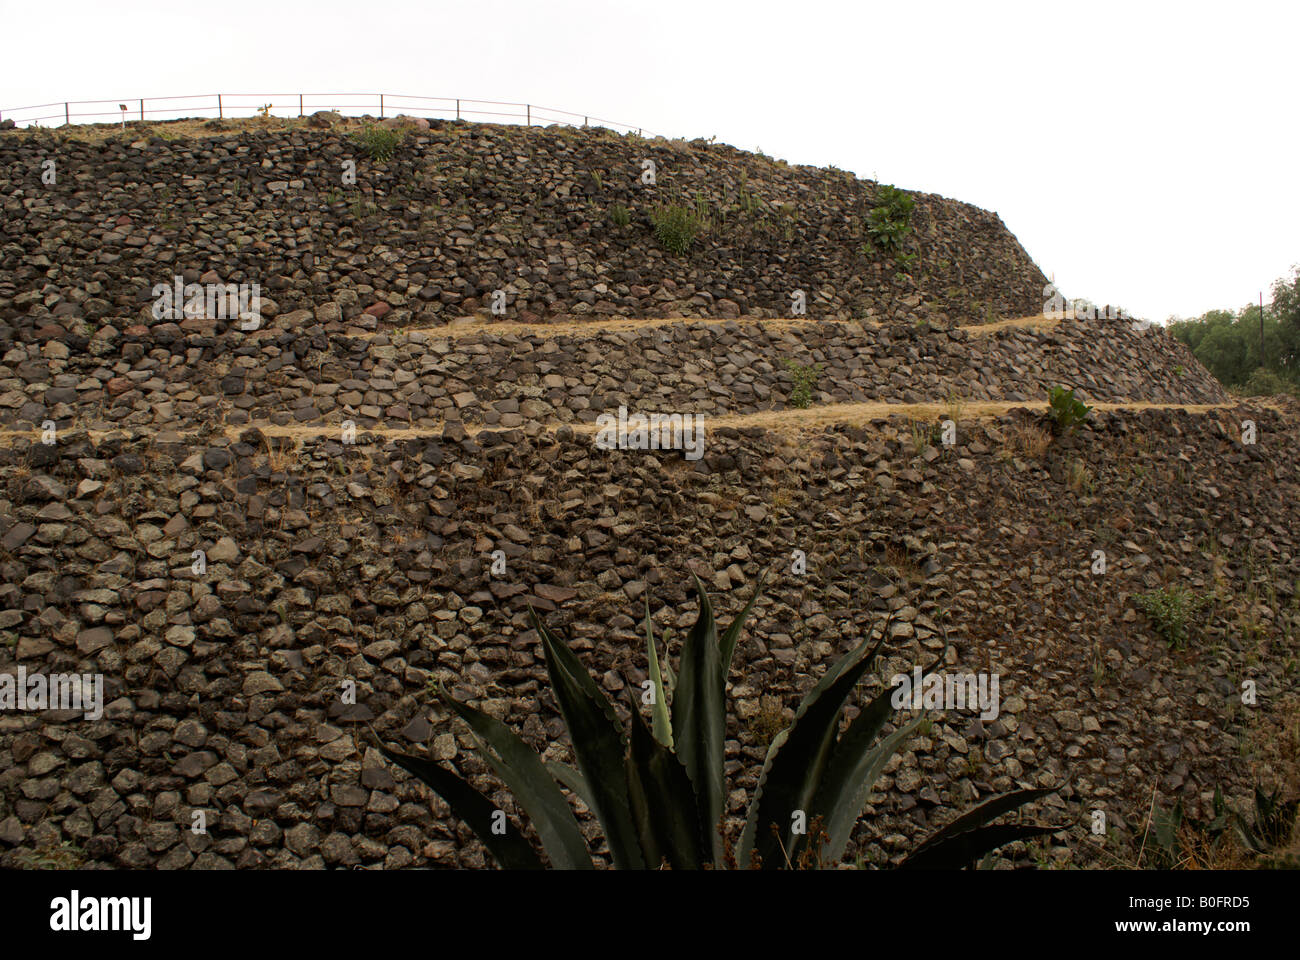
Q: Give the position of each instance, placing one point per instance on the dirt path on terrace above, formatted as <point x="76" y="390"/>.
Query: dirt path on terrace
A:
<point x="814" y="419"/>
<point x="596" y="327"/>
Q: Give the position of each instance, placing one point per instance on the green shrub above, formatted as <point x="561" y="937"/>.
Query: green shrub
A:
<point x="378" y="142"/>
<point x="620" y="215"/>
<point x="805" y="380"/>
<point x="660" y="791"/>
<point x="676" y="227"/>
<point x="1065" y="409"/>
<point x="1265" y="383"/>
<point x="1169" y="610"/>
<point x="890" y="219"/>
<point x="1273" y="825"/>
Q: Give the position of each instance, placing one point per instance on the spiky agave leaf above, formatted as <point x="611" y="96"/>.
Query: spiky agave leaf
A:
<point x="699" y="717"/>
<point x="969" y="837"/>
<point x="666" y="667"/>
<point x="510" y="849"/>
<point x="567" y="776"/>
<point x="662" y="721"/>
<point x="796" y="760"/>
<point x="598" y="743"/>
<point x="731" y="636"/>
<point x="524" y="774"/>
<point x="856" y="762"/>
<point x="664" y="805"/>
<point x="855" y="766"/>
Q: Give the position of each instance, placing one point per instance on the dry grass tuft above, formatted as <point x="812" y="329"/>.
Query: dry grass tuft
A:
<point x="1028" y="440"/>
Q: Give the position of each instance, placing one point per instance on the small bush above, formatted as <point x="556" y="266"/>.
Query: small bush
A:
<point x="1265" y="383"/>
<point x="620" y="215"/>
<point x="1169" y="610"/>
<point x="805" y="379"/>
<point x="1067" y="410"/>
<point x="676" y="227"/>
<point x="378" y="143"/>
<point x="890" y="219"/>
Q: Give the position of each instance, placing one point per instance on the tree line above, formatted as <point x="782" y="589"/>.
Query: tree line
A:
<point x="1229" y="343"/>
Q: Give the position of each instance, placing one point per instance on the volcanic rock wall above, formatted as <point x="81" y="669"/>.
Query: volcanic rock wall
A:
<point x="371" y="563"/>
<point x="330" y="564"/>
<point x="315" y="376"/>
<point x="463" y="210"/>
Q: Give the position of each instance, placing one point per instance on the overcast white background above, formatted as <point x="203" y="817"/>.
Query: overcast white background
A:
<point x="1145" y="154"/>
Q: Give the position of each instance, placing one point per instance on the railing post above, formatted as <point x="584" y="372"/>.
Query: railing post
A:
<point x="300" y="104"/>
<point x="381" y="106"/>
<point x="142" y="110"/>
<point x="220" y="113"/>
<point x="458" y="108"/>
<point x="67" y="117"/>
<point x="528" y="112"/>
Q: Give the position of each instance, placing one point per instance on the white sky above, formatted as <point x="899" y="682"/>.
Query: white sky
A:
<point x="1143" y="153"/>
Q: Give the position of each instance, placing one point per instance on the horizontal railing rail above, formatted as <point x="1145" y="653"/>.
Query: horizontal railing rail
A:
<point x="232" y="105"/>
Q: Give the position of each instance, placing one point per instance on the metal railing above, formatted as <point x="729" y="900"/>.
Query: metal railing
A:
<point x="223" y="105"/>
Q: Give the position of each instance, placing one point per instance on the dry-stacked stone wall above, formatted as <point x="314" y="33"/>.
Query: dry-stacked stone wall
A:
<point x="421" y="379"/>
<point x="461" y="211"/>
<point x="372" y="564"/>
<point x="257" y="599"/>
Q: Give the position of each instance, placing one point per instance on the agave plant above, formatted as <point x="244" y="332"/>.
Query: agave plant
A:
<point x="659" y="791"/>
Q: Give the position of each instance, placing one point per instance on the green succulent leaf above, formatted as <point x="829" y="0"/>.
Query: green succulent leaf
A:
<point x="662" y="720"/>
<point x="598" y="743"/>
<point x="510" y="849"/>
<point x="966" y="848"/>
<point x="663" y="803"/>
<point x="731" y="635"/>
<point x="967" y="838"/>
<point x="519" y="766"/>
<point x="797" y="759"/>
<point x="699" y="717"/>
<point x="666" y="667"/>
<point x="567" y="776"/>
<point x="856" y="763"/>
<point x="848" y="781"/>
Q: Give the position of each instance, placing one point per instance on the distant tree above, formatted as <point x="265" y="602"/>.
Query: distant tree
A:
<point x="1286" y="309"/>
<point x="1227" y="343"/>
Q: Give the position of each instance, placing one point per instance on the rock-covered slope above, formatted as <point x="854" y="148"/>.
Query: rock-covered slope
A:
<point x="463" y="210"/>
<point x="331" y="565"/>
<point x="310" y="374"/>
<point x="372" y="563"/>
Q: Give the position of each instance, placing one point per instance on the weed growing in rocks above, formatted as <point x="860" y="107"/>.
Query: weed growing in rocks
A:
<point x="61" y="856"/>
<point x="769" y="721"/>
<point x="923" y="434"/>
<point x="1178" y="841"/>
<point x="955" y="406"/>
<point x="805" y="381"/>
<point x="1065" y="409"/>
<point x="1079" y="477"/>
<point x="1170" y="609"/>
<point x="377" y="142"/>
<point x="620" y="215"/>
<point x="890" y="219"/>
<point x="676" y="227"/>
